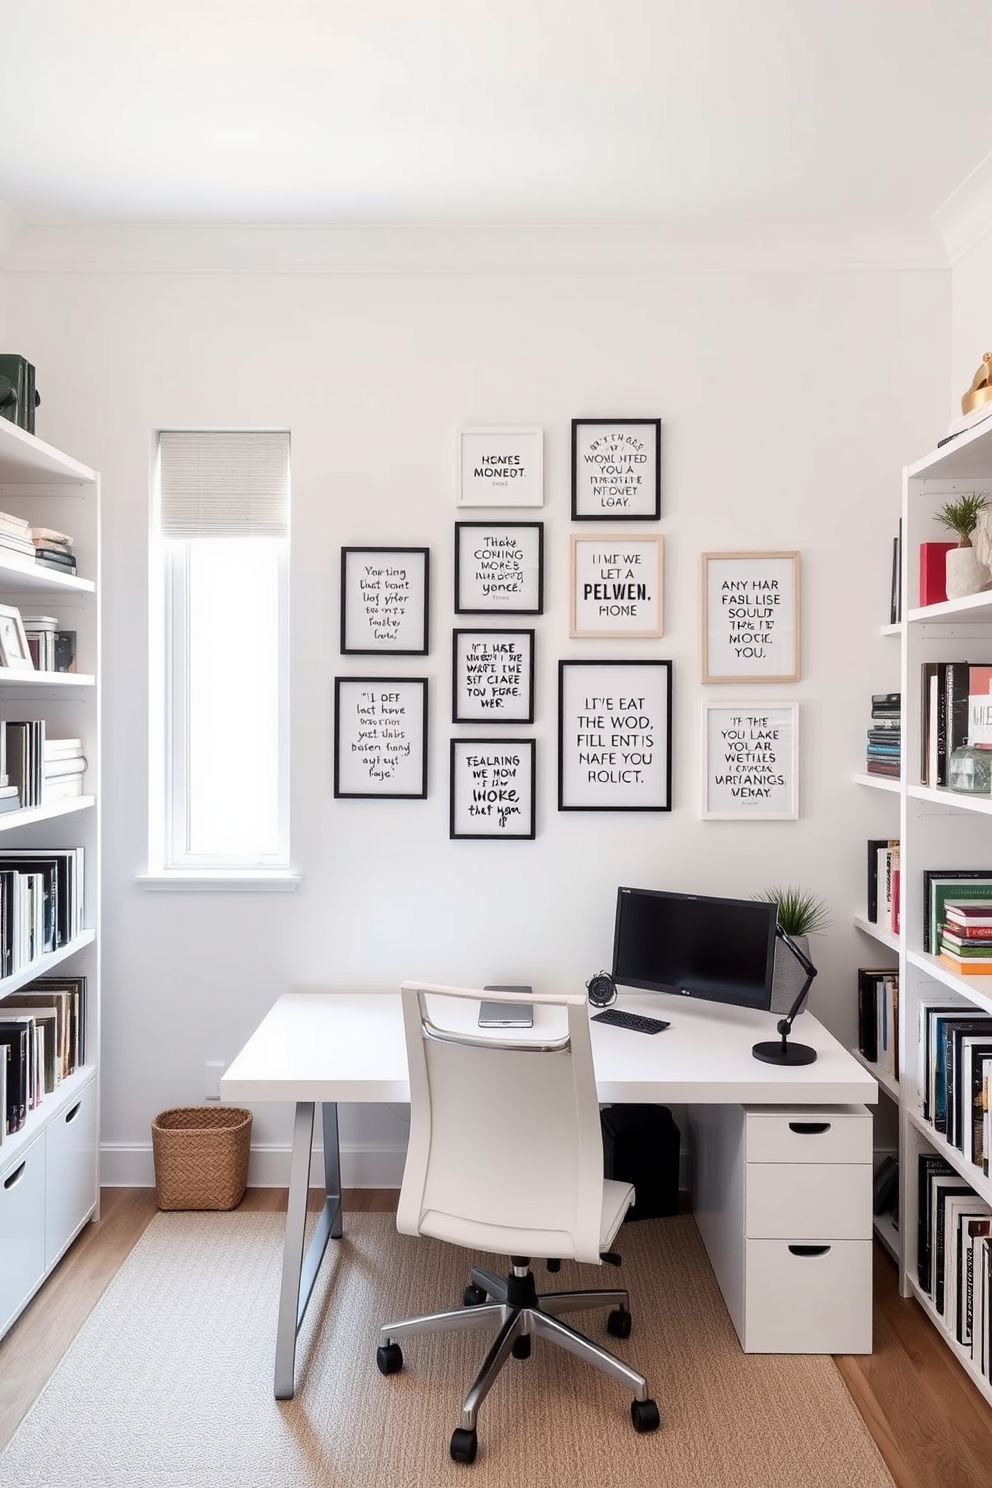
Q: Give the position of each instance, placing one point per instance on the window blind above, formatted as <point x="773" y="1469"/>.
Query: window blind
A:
<point x="224" y="483"/>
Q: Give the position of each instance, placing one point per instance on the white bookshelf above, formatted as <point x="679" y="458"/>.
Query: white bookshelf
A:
<point x="48" y="1169"/>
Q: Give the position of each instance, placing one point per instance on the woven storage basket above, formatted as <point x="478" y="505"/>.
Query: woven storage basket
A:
<point x="201" y="1156"/>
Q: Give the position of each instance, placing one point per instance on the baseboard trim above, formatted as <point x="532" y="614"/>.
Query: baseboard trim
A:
<point x="132" y="1166"/>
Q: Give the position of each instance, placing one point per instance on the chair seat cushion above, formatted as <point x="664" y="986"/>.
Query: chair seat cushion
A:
<point x="512" y="1240"/>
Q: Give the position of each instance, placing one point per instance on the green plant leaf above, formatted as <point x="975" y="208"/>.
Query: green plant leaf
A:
<point x="800" y="911"/>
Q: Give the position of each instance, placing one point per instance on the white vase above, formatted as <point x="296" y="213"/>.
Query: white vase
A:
<point x="965" y="575"/>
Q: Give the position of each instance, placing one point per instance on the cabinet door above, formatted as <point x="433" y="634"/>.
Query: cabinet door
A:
<point x="22" y="1225"/>
<point x="70" y="1172"/>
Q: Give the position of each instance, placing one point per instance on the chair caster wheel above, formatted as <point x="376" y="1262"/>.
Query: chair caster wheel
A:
<point x="474" y="1296"/>
<point x="553" y="1264"/>
<point x="389" y="1358"/>
<point x="618" y="1323"/>
<point x="464" y="1445"/>
<point x="645" y="1415"/>
<point x="520" y="1348"/>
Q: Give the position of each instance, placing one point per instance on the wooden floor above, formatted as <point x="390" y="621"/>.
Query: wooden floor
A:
<point x="932" y="1426"/>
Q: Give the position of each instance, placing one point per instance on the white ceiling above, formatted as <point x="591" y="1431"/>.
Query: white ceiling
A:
<point x="340" y="112"/>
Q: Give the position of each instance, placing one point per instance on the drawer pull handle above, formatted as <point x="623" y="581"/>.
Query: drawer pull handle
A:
<point x="809" y="1128"/>
<point x="17" y="1174"/>
<point x="71" y="1115"/>
<point x="808" y="1250"/>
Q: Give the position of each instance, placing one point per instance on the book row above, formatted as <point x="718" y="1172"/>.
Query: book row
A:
<point x="954" y="1256"/>
<point x="41" y="903"/>
<point x="35" y="769"/>
<point x="42" y="1042"/>
<point x="878" y="1018"/>
<point x="956" y="708"/>
<point x="956" y="1041"/>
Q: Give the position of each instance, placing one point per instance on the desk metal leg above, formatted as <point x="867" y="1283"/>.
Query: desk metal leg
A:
<point x="299" y="1270"/>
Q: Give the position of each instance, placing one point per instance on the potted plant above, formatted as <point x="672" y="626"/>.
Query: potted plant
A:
<point x="965" y="574"/>
<point x="801" y="913"/>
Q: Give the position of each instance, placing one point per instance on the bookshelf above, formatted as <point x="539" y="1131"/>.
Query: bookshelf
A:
<point x="938" y="829"/>
<point x="48" y="1169"/>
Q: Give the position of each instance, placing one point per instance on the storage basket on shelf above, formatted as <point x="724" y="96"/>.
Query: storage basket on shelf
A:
<point x="201" y="1156"/>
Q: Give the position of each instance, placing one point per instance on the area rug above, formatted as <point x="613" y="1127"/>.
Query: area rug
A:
<point x="169" y="1382"/>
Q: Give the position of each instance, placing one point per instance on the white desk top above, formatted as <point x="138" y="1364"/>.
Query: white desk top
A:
<point x="324" y="1045"/>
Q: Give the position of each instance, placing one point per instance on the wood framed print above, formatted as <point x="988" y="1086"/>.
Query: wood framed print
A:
<point x="750" y="614"/>
<point x="492" y="788"/>
<point x="616" y="586"/>
<point x="14" y="650"/>
<point x="384" y="601"/>
<point x="380" y="737"/>
<point x="614" y="736"/>
<point x="499" y="568"/>
<point x="616" y="470"/>
<point x="501" y="467"/>
<point x="492" y="676"/>
<point x="751" y="762"/>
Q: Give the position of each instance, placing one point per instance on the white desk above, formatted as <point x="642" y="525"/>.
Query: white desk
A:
<point x="323" y="1047"/>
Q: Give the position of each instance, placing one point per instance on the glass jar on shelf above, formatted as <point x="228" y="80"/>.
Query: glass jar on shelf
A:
<point x="969" y="770"/>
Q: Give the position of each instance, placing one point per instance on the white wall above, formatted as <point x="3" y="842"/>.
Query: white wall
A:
<point x="971" y="316"/>
<point x="790" y="400"/>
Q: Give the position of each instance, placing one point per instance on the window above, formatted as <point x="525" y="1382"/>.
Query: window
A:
<point x="220" y="658"/>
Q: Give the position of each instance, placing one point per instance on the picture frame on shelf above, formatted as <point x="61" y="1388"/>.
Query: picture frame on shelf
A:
<point x="750" y="617"/>
<point x="380" y="737"/>
<point x="385" y="601"/>
<point x="492" y="676"/>
<point x="614" y="735"/>
<point x="616" y="586"/>
<point x="616" y="469"/>
<point x="501" y="467"/>
<point x="15" y="654"/>
<point x="492" y="789"/>
<point x="499" y="568"/>
<point x="750" y="762"/>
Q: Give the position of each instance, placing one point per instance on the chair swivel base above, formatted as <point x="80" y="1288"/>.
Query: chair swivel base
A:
<point x="520" y="1313"/>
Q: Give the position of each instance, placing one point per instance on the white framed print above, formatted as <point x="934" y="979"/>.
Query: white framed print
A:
<point x="384" y="601"/>
<point x="14" y="650"/>
<point x="492" y="676"/>
<point x="380" y="737"/>
<point x="750" y="617"/>
<point x="614" y="733"/>
<point x="501" y="467"/>
<point x="616" y="586"/>
<point x="751" y="762"/>
<point x="616" y="470"/>
<point x="492" y="788"/>
<point x="499" y="568"/>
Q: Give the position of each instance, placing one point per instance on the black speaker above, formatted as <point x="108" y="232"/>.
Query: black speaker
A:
<point x="641" y="1146"/>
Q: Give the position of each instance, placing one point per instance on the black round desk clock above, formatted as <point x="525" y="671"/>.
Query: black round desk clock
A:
<point x="602" y="989"/>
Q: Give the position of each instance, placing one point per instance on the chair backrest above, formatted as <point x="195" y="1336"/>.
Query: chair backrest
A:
<point x="506" y="1150"/>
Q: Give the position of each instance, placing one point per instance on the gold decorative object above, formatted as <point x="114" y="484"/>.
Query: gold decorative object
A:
<point x="981" y="386"/>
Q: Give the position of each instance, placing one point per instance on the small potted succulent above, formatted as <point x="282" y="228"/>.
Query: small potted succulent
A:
<point x="965" y="573"/>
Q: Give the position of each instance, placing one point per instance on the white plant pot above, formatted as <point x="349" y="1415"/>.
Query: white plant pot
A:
<point x="964" y="573"/>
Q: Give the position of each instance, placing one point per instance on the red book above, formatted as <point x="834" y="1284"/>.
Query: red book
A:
<point x="933" y="584"/>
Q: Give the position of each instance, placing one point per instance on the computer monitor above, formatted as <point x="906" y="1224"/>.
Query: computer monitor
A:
<point x="695" y="945"/>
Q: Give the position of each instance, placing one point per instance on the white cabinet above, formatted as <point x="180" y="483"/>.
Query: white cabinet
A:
<point x="782" y="1199"/>
<point x="48" y="1169"/>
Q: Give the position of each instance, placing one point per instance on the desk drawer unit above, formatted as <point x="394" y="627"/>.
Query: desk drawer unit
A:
<point x="22" y="1225"/>
<point x="782" y="1199"/>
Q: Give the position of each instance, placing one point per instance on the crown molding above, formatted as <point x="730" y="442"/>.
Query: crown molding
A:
<point x="965" y="218"/>
<point x="470" y="248"/>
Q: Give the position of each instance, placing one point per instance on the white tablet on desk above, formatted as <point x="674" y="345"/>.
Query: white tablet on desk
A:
<point x="504" y="1014"/>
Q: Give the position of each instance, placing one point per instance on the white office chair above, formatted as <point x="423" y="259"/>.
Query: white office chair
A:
<point x="506" y="1155"/>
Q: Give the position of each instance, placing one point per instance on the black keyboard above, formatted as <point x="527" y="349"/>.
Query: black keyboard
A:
<point x="637" y="1021"/>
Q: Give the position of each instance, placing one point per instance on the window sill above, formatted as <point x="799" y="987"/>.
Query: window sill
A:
<point x="220" y="880"/>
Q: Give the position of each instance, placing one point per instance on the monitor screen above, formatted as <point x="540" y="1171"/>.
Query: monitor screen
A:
<point x="695" y="945"/>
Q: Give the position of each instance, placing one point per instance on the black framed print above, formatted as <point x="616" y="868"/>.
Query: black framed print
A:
<point x="492" y="788"/>
<point x="614" y="735"/>
<point x="380" y="737"/>
<point x="492" y="676"/>
<point x="384" y="601"/>
<point x="499" y="568"/>
<point x="501" y="467"/>
<point x="616" y="470"/>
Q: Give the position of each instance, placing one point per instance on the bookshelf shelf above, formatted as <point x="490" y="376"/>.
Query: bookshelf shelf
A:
<point x="878" y="782"/>
<point x="877" y="932"/>
<point x="887" y="1232"/>
<point x="49" y="1168"/>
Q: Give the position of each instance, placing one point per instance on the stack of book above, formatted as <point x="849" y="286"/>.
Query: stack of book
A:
<point x="966" y="936"/>
<point x="53" y="549"/>
<point x="883" y="753"/>
<point x="878" y="1018"/>
<point x="15" y="534"/>
<point x="882" y="897"/>
<point x="955" y="709"/>
<point x="953" y="1255"/>
<point x="63" y="767"/>
<point x="42" y="1037"/>
<point x="40" y="631"/>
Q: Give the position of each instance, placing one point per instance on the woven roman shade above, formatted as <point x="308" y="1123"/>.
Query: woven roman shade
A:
<point x="224" y="483"/>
